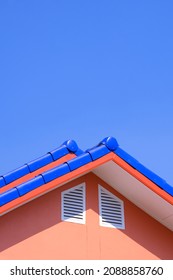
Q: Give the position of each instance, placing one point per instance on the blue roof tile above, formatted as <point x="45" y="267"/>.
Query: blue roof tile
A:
<point x="8" y="196"/>
<point x="71" y="146"/>
<point x="143" y="170"/>
<point x="60" y="152"/>
<point x="68" y="146"/>
<point x="126" y="157"/>
<point x="79" y="161"/>
<point x="40" y="162"/>
<point x="79" y="152"/>
<point x="56" y="172"/>
<point x="2" y="182"/>
<point x="30" y="185"/>
<point x="107" y="145"/>
<point x="110" y="142"/>
<point x="16" y="174"/>
<point x="168" y="188"/>
<point x="98" y="151"/>
<point x="151" y="175"/>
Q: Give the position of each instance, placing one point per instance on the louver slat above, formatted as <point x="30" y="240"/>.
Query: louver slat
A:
<point x="73" y="204"/>
<point x="111" y="209"/>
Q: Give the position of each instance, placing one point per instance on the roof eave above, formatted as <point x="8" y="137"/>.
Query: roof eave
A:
<point x="93" y="166"/>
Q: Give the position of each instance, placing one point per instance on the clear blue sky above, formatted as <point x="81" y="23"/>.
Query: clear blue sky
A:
<point x="85" y="70"/>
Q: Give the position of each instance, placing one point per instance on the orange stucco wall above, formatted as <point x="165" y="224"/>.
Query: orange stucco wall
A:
<point x="35" y="230"/>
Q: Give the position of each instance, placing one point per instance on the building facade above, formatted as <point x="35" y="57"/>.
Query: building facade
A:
<point x="98" y="204"/>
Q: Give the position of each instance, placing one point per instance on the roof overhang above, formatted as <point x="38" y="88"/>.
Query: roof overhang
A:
<point x="121" y="176"/>
<point x="135" y="191"/>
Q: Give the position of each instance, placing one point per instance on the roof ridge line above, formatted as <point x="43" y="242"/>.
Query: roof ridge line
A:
<point x="104" y="147"/>
<point x="69" y="146"/>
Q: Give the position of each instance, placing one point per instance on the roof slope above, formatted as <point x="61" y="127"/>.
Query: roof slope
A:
<point x="69" y="162"/>
<point x="67" y="147"/>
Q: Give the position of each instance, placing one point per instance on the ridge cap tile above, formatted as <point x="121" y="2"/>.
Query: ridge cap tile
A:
<point x="98" y="151"/>
<point x="30" y="185"/>
<point x="56" y="172"/>
<point x="39" y="162"/>
<point x="69" y="146"/>
<point x="110" y="142"/>
<point x="59" y="152"/>
<point x="16" y="174"/>
<point x="79" y="161"/>
<point x="161" y="183"/>
<point x="168" y="188"/>
<point x="8" y="196"/>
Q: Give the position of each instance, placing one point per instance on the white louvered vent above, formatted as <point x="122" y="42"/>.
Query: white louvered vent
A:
<point x="111" y="209"/>
<point x="73" y="204"/>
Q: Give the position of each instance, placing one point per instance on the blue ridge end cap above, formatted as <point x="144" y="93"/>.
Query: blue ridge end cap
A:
<point x="71" y="145"/>
<point x="110" y="142"/>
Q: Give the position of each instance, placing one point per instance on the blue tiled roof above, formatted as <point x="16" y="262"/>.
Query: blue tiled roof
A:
<point x="106" y="146"/>
<point x="67" y="147"/>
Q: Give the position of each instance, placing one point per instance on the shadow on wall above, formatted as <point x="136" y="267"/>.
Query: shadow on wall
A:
<point x="149" y="233"/>
<point x="28" y="220"/>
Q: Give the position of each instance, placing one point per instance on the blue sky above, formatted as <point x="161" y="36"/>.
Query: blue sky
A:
<point x="85" y="70"/>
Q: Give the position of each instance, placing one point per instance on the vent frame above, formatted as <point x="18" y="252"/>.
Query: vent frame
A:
<point x="68" y="196"/>
<point x="119" y="205"/>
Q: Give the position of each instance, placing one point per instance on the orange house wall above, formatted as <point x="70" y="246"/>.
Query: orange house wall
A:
<point x="35" y="230"/>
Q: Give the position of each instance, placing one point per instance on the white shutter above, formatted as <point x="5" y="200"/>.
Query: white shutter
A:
<point x="73" y="204"/>
<point x="111" y="209"/>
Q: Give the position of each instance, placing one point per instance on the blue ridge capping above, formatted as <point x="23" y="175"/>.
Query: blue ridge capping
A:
<point x="16" y="174"/>
<point x="2" y="182"/>
<point x="71" y="146"/>
<point x="168" y="188"/>
<point x="40" y="162"/>
<point x="110" y="142"/>
<point x="151" y="175"/>
<point x="129" y="159"/>
<point x="56" y="172"/>
<point x="79" y="152"/>
<point x="145" y="171"/>
<point x="30" y="185"/>
<point x="98" y="152"/>
<point x="107" y="145"/>
<point x="79" y="161"/>
<point x="60" y="152"/>
<point x="8" y="196"/>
